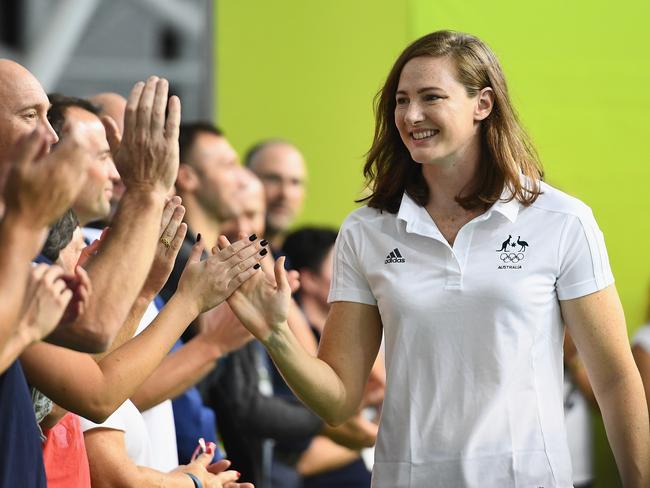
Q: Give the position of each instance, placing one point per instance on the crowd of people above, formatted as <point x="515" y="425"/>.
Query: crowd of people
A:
<point x="163" y="326"/>
<point x="116" y="326"/>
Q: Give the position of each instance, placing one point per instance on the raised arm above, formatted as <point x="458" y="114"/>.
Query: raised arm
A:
<point x="597" y="326"/>
<point x="74" y="381"/>
<point x="332" y="384"/>
<point x="147" y="160"/>
<point x="40" y="187"/>
<point x="220" y="333"/>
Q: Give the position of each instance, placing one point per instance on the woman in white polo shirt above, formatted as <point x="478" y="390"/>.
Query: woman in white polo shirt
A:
<point x="470" y="265"/>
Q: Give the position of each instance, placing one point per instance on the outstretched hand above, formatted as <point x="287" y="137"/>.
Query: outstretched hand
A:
<point x="209" y="282"/>
<point x="262" y="304"/>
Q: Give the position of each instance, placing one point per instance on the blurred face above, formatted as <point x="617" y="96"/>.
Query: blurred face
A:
<point x="436" y="119"/>
<point x="69" y="255"/>
<point x="114" y="106"/>
<point x="253" y="209"/>
<point x="217" y="166"/>
<point x="318" y="285"/>
<point x="93" y="203"/>
<point x="282" y="171"/>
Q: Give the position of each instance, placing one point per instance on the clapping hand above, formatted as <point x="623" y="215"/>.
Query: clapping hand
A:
<point x="262" y="303"/>
<point x="215" y="475"/>
<point x="46" y="299"/>
<point x="146" y="155"/>
<point x="172" y="234"/>
<point x="207" y="283"/>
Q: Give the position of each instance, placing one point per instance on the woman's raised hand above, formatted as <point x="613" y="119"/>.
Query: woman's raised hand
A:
<point x="262" y="304"/>
<point x="209" y="282"/>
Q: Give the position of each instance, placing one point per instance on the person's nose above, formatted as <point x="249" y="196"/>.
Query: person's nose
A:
<point x="113" y="174"/>
<point x="414" y="114"/>
<point x="52" y="137"/>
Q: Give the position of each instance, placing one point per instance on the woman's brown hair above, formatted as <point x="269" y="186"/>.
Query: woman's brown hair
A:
<point x="507" y="151"/>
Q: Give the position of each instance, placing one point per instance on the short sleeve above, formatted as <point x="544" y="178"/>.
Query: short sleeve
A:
<point x="583" y="263"/>
<point x="642" y="338"/>
<point x="349" y="283"/>
<point x="117" y="420"/>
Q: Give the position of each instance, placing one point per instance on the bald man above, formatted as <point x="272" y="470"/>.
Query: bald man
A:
<point x="281" y="167"/>
<point x="111" y="104"/>
<point x="40" y="187"/>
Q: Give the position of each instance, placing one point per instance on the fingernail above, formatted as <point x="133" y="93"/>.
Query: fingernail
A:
<point x="257" y="266"/>
<point x="198" y="237"/>
<point x="238" y="474"/>
<point x="263" y="252"/>
<point x="252" y="237"/>
<point x="264" y="242"/>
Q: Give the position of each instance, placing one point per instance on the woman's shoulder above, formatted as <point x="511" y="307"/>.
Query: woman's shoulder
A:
<point x="366" y="216"/>
<point x="552" y="199"/>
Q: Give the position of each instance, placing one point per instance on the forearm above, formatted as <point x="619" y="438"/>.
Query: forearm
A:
<point x="324" y="455"/>
<point x="19" y="245"/>
<point x="132" y="363"/>
<point x="119" y="271"/>
<point x="310" y="378"/>
<point x="13" y="347"/>
<point x="127" y="331"/>
<point x="354" y="433"/>
<point x="94" y="391"/>
<point x="150" y="478"/>
<point x="626" y="421"/>
<point x="178" y="372"/>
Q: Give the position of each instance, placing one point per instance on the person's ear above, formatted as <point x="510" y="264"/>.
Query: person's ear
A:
<point x="187" y="179"/>
<point x="485" y="104"/>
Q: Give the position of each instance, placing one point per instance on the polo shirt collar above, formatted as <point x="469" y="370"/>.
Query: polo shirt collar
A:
<point x="418" y="219"/>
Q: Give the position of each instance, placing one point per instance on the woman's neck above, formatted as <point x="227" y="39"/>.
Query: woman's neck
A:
<point x="450" y="179"/>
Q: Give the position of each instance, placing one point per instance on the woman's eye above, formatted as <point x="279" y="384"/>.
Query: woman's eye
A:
<point x="431" y="98"/>
<point x="401" y="100"/>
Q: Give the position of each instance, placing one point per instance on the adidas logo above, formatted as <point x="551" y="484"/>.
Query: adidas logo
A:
<point x="394" y="257"/>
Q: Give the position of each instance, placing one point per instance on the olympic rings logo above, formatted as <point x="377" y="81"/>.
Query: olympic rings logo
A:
<point x="511" y="257"/>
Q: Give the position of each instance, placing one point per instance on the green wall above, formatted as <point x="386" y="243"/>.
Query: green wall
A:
<point x="578" y="73"/>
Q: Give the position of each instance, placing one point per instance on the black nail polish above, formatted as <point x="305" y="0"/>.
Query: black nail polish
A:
<point x="257" y="266"/>
<point x="264" y="242"/>
<point x="252" y="237"/>
<point x="263" y="252"/>
<point x="198" y="237"/>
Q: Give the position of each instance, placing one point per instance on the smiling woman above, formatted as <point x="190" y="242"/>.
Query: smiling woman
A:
<point x="473" y="345"/>
<point x="432" y="82"/>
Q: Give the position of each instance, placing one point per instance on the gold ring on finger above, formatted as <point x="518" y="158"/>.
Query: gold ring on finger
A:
<point x="165" y="242"/>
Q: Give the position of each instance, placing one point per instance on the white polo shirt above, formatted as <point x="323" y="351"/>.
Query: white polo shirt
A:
<point x="473" y="337"/>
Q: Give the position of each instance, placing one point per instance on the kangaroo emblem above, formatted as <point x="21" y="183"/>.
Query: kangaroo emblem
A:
<point x="504" y="246"/>
<point x="523" y="244"/>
